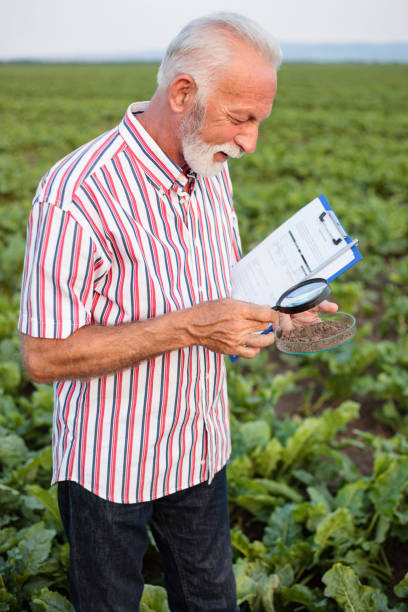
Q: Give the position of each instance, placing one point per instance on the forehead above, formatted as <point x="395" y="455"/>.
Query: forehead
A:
<point x="249" y="82"/>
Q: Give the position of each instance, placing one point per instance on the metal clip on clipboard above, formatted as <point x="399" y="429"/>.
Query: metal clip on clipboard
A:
<point x="333" y="257"/>
<point x="329" y="214"/>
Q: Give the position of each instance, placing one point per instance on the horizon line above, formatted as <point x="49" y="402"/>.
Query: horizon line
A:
<point x="157" y="54"/>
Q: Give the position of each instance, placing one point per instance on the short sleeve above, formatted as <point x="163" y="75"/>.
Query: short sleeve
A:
<point x="57" y="284"/>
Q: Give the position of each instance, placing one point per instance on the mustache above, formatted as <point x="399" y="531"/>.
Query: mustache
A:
<point x="231" y="150"/>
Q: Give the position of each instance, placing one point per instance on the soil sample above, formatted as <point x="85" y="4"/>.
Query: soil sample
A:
<point x="315" y="337"/>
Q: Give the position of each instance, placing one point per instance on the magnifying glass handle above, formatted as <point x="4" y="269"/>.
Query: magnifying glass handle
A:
<point x="266" y="331"/>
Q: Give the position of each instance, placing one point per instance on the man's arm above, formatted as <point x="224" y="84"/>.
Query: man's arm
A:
<point x="224" y="326"/>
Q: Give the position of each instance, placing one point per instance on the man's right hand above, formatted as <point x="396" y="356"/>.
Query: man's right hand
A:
<point x="229" y="326"/>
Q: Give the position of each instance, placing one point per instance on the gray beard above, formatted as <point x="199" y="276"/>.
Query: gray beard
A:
<point x="199" y="155"/>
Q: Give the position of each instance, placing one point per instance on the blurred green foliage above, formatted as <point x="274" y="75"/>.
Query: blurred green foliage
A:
<point x="311" y="530"/>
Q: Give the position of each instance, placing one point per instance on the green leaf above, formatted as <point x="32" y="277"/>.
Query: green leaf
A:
<point x="265" y="593"/>
<point x="336" y="529"/>
<point x="33" y="548"/>
<point x="256" y="433"/>
<point x="313" y="430"/>
<point x="387" y="488"/>
<point x="9" y="497"/>
<point x="245" y="585"/>
<point x="301" y="554"/>
<point x="48" y="498"/>
<point x="361" y="562"/>
<point x="8" y="601"/>
<point x="64" y="555"/>
<point x="304" y="477"/>
<point x="332" y="420"/>
<point x="255" y="585"/>
<point x="13" y="450"/>
<point x="28" y="472"/>
<point x="382" y="461"/>
<point x="299" y="593"/>
<point x="286" y="574"/>
<point x="41" y="406"/>
<point x="351" y="496"/>
<point x="402" y="517"/>
<point x="8" y="539"/>
<point x="266" y="459"/>
<point x="239" y="388"/>
<point x="10" y="376"/>
<point x="33" y="585"/>
<point x="282" y="528"/>
<point x="238" y="468"/>
<point x="10" y="350"/>
<point x="280" y="489"/>
<point x="382" y="528"/>
<point x="251" y="550"/>
<point x="401" y="589"/>
<point x="310" y="514"/>
<point x="319" y="496"/>
<point x="50" y="601"/>
<point x="154" y="599"/>
<point x="297" y="445"/>
<point x="259" y="504"/>
<point x="343" y="585"/>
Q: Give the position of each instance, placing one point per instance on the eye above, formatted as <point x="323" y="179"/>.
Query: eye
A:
<point x="236" y="121"/>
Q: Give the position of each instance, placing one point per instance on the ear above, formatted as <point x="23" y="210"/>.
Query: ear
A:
<point x="181" y="93"/>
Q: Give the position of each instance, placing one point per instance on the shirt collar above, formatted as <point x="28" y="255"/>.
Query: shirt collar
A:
<point x="160" y="168"/>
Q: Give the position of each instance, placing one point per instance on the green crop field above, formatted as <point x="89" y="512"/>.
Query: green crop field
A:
<point x="318" y="475"/>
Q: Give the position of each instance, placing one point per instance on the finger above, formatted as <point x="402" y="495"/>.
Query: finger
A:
<point x="249" y="352"/>
<point x="326" y="306"/>
<point x="260" y="328"/>
<point x="260" y="313"/>
<point x="260" y="340"/>
<point x="285" y="319"/>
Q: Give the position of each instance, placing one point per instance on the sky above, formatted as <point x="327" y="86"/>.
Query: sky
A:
<point x="61" y="28"/>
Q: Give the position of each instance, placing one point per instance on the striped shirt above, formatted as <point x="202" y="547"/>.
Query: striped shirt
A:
<point x="113" y="238"/>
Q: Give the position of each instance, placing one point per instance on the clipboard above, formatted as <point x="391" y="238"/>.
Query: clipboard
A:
<point x="313" y="242"/>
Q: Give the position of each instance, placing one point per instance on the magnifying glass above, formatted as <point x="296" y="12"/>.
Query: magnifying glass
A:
<point x="300" y="297"/>
<point x="303" y="296"/>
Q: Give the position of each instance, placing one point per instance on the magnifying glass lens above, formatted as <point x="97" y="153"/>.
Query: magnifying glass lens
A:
<point x="303" y="294"/>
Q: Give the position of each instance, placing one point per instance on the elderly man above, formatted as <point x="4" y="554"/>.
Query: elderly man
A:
<point x="125" y="305"/>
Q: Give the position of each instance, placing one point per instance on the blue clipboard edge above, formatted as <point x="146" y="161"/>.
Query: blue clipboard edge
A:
<point x="357" y="255"/>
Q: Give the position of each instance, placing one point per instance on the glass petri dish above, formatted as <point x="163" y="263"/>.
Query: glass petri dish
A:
<point x="330" y="332"/>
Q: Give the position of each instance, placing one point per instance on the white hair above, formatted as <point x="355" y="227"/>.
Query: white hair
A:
<point x="204" y="48"/>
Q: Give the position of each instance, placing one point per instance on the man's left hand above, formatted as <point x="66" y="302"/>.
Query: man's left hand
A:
<point x="307" y="317"/>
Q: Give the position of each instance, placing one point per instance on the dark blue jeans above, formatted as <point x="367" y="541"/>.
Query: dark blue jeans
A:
<point x="108" y="541"/>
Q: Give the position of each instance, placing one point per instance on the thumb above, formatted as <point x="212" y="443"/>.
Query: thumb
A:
<point x="326" y="306"/>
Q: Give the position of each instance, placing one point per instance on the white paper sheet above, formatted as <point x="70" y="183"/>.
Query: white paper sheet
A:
<point x="292" y="253"/>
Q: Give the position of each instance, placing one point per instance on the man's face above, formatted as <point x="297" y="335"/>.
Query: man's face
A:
<point x="240" y="100"/>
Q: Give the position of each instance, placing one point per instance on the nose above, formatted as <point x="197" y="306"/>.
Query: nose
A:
<point x="247" y="138"/>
